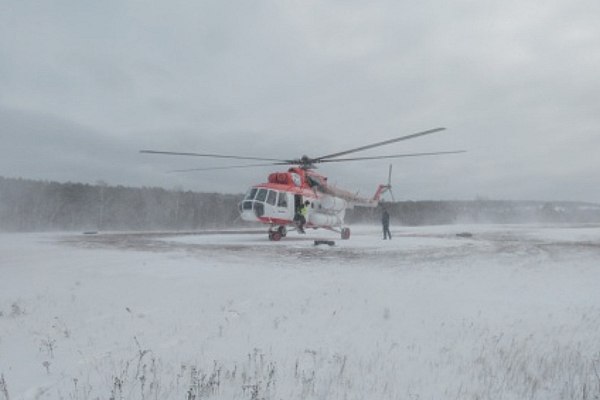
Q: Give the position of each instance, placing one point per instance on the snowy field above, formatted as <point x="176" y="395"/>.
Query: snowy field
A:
<point x="511" y="312"/>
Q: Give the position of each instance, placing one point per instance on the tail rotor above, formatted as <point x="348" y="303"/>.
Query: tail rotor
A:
<point x="388" y="186"/>
<point x="389" y="183"/>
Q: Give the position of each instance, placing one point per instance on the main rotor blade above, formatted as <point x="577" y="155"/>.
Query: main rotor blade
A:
<point x="437" y="153"/>
<point x="173" y="153"/>
<point x="370" y="146"/>
<point x="228" y="167"/>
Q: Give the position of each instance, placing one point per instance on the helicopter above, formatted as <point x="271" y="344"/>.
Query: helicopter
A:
<point x="278" y="201"/>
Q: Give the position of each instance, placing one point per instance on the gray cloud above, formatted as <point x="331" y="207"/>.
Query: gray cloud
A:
<point x="515" y="82"/>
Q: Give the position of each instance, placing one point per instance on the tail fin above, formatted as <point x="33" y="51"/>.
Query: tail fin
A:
<point x="381" y="189"/>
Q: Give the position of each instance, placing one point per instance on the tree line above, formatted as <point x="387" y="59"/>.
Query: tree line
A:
<point x="414" y="213"/>
<point x="28" y="205"/>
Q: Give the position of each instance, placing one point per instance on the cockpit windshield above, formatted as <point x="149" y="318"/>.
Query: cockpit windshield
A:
<point x="262" y="195"/>
<point x="250" y="194"/>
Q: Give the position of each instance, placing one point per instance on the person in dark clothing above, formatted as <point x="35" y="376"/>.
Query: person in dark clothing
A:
<point x="385" y="222"/>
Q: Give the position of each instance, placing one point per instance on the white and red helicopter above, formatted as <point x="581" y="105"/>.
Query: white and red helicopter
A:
<point x="277" y="201"/>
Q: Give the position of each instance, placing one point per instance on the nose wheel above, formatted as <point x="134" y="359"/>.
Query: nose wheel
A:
<point x="275" y="235"/>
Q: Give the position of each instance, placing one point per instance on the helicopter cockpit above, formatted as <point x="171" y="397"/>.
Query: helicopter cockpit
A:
<point x="265" y="203"/>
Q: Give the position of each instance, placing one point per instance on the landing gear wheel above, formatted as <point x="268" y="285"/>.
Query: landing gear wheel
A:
<point x="282" y="231"/>
<point x="275" y="236"/>
<point x="345" y="233"/>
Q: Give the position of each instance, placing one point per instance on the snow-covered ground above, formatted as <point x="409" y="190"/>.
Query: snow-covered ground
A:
<point x="511" y="312"/>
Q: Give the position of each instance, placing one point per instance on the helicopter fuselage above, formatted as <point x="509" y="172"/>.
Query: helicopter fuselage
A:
<point x="277" y="202"/>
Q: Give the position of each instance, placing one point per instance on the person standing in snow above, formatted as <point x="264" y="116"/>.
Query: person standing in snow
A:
<point x="385" y="222"/>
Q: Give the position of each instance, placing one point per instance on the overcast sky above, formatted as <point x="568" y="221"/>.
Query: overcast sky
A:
<point x="84" y="85"/>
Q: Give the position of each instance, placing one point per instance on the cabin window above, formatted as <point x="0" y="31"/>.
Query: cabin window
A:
<point x="282" y="202"/>
<point x="262" y="195"/>
<point x="259" y="209"/>
<point x="251" y="193"/>
<point x="272" y="197"/>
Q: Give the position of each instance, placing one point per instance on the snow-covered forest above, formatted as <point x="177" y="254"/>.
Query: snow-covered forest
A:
<point x="28" y="206"/>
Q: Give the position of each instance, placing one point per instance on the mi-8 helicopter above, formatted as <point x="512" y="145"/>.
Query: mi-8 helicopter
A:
<point x="277" y="202"/>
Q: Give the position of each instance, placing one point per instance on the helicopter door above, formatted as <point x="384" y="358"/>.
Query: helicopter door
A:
<point x="297" y="203"/>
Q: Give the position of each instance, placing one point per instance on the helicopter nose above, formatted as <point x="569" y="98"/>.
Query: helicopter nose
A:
<point x="248" y="216"/>
<point x="247" y="212"/>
